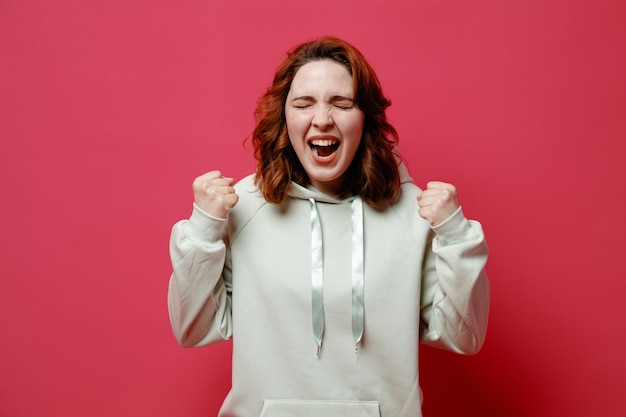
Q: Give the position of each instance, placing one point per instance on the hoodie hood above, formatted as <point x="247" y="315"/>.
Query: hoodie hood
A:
<point x="306" y="193"/>
<point x="317" y="257"/>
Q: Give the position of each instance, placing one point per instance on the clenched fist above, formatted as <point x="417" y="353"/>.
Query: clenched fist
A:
<point x="214" y="194"/>
<point x="437" y="202"/>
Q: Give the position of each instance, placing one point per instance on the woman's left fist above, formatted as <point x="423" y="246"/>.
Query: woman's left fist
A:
<point x="438" y="202"/>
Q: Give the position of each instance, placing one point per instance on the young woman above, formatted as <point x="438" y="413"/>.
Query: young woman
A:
<point x="328" y="265"/>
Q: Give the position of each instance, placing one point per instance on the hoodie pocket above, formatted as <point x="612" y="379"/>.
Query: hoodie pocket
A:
<point x="312" y="408"/>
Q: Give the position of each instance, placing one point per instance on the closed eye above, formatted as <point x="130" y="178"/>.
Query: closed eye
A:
<point x="343" y="103"/>
<point x="303" y="102"/>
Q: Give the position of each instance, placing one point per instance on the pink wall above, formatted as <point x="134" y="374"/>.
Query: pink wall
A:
<point x="108" y="110"/>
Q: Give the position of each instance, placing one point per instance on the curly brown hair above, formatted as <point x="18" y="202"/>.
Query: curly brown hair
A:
<point x="373" y="173"/>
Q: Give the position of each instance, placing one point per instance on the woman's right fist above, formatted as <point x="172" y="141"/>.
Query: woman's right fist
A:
<point x="214" y="194"/>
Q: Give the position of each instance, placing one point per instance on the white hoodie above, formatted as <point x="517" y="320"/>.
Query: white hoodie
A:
<point x="326" y="304"/>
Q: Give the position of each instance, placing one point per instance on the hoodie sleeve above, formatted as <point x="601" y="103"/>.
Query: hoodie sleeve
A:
<point x="455" y="288"/>
<point x="199" y="299"/>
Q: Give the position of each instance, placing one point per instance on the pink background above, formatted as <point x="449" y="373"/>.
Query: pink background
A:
<point x="109" y="109"/>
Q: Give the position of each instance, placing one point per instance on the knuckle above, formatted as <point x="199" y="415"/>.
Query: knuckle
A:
<point x="197" y="183"/>
<point x="212" y="193"/>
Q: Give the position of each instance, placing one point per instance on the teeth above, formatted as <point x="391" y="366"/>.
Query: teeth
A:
<point x="322" y="142"/>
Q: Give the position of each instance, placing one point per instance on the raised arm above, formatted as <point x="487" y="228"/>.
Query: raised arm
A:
<point x="455" y="287"/>
<point x="199" y="293"/>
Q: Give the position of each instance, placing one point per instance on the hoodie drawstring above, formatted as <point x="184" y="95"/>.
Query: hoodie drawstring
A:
<point x="317" y="277"/>
<point x="317" y="274"/>
<point x="358" y="304"/>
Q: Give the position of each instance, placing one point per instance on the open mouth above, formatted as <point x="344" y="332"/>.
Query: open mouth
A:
<point x="324" y="147"/>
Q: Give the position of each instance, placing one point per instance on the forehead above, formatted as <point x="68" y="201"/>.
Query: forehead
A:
<point x="322" y="76"/>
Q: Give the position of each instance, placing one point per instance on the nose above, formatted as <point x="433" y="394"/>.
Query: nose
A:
<point x="322" y="118"/>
